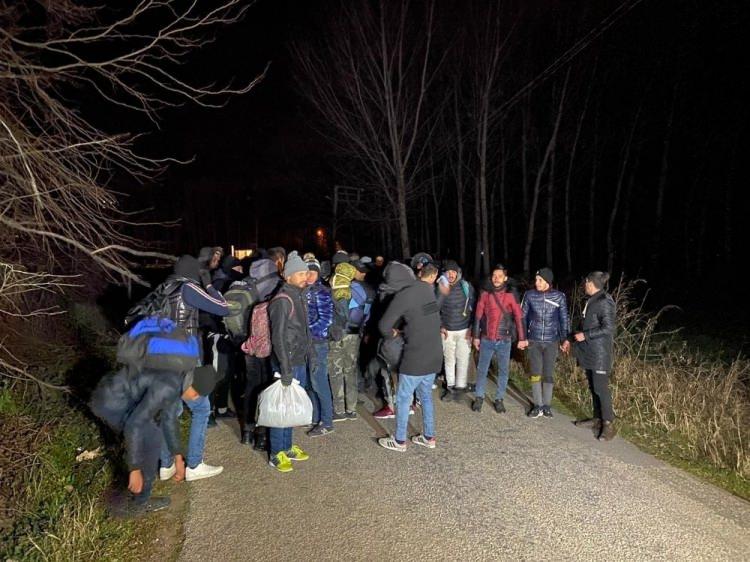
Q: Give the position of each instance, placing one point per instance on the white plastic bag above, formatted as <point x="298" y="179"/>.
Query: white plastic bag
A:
<point x="284" y="406"/>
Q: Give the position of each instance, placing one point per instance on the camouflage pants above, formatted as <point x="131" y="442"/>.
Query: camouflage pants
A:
<point x="343" y="371"/>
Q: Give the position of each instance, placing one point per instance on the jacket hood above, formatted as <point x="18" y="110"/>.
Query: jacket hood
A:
<point x="396" y="277"/>
<point x="188" y="267"/>
<point x="261" y="268"/>
<point x="204" y="256"/>
<point x="341" y="282"/>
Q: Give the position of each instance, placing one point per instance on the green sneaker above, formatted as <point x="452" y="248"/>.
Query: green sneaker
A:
<point x="297" y="454"/>
<point x="281" y="462"/>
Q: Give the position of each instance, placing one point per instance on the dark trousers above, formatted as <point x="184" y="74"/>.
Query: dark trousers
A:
<point x="230" y="367"/>
<point x="600" y="396"/>
<point x="257" y="377"/>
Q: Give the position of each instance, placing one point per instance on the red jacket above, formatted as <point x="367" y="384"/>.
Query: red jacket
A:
<point x="488" y="320"/>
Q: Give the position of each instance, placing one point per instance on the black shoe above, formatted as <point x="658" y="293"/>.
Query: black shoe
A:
<point x="535" y="412"/>
<point x="339" y="417"/>
<point x="458" y="393"/>
<point x="260" y="440"/>
<point x="212" y="421"/>
<point x="476" y="406"/>
<point x="607" y="431"/>
<point x="471" y="387"/>
<point x="499" y="406"/>
<point x="546" y="411"/>
<point x="588" y="422"/>
<point x="247" y="437"/>
<point x="228" y="414"/>
<point x="351" y="416"/>
<point x="448" y="394"/>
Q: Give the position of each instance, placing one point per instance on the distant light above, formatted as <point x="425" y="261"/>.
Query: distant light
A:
<point x="320" y="233"/>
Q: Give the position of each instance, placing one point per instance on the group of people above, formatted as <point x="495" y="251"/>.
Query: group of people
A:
<point x="337" y="327"/>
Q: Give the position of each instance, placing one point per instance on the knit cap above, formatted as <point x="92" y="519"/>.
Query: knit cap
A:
<point x="546" y="274"/>
<point x="312" y="263"/>
<point x="294" y="264"/>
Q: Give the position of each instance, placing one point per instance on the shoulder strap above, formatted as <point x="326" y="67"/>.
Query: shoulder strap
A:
<point x="287" y="297"/>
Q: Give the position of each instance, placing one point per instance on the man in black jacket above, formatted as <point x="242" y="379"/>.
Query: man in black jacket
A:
<point x="414" y="312"/>
<point x="291" y="344"/>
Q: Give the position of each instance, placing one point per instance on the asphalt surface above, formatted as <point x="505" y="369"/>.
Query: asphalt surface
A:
<point x="497" y="487"/>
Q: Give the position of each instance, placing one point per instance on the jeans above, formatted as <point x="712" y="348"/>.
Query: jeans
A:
<point x="487" y="350"/>
<point x="407" y="385"/>
<point x="343" y="371"/>
<point x="200" y="409"/>
<point x="321" y="397"/>
<point x="281" y="437"/>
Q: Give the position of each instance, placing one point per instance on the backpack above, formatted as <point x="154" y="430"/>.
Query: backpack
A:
<point x="160" y="344"/>
<point x="237" y="322"/>
<point x="258" y="343"/>
<point x="155" y="303"/>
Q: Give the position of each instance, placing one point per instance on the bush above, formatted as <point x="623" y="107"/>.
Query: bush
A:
<point x="693" y="403"/>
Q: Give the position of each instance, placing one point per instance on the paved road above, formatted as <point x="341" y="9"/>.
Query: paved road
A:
<point x="497" y="487"/>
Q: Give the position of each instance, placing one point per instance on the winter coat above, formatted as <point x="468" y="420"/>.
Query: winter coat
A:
<point x="416" y="308"/>
<point x="457" y="306"/>
<point x="319" y="310"/>
<point x="599" y="321"/>
<point x="290" y="335"/>
<point x="265" y="275"/>
<point x="497" y="313"/>
<point x="545" y="315"/>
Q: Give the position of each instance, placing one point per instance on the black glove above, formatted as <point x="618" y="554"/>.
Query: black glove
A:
<point x="286" y="380"/>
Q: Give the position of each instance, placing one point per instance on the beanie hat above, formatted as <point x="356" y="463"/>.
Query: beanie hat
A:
<point x="339" y="257"/>
<point x="451" y="265"/>
<point x="294" y="264"/>
<point x="360" y="266"/>
<point x="312" y="263"/>
<point x="546" y="274"/>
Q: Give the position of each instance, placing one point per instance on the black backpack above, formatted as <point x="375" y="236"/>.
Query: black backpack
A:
<point x="237" y="322"/>
<point x="155" y="303"/>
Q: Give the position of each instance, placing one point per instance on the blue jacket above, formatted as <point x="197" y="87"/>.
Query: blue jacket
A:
<point x="319" y="310"/>
<point x="545" y="315"/>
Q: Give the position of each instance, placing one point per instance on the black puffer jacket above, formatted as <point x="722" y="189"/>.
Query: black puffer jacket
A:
<point x="290" y="336"/>
<point x="599" y="322"/>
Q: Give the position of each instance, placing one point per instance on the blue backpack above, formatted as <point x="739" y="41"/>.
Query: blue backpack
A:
<point x="160" y="344"/>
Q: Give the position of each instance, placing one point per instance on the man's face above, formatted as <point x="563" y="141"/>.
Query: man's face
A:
<point x="379" y="261"/>
<point x="499" y="277"/>
<point x="312" y="277"/>
<point x="215" y="259"/>
<point x="359" y="275"/>
<point x="452" y="276"/>
<point x="298" y="279"/>
<point x="589" y="287"/>
<point x="540" y="284"/>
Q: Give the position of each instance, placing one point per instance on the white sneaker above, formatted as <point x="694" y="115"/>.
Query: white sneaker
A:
<point x="168" y="472"/>
<point x="203" y="470"/>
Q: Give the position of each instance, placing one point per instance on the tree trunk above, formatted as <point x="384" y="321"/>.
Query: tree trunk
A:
<point x="477" y="232"/>
<point x="538" y="182"/>
<point x="550" y="209"/>
<point x="403" y="223"/>
<point x="503" y="209"/>
<point x="592" y="202"/>
<point x="661" y="188"/>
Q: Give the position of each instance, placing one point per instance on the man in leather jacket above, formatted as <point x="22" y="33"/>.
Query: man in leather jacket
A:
<point x="545" y="314"/>
<point x="594" y="349"/>
<point x="290" y="342"/>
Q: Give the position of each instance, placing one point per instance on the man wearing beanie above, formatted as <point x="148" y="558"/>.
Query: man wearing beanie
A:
<point x="290" y="343"/>
<point x="319" y="319"/>
<point x="456" y="312"/>
<point x="545" y="316"/>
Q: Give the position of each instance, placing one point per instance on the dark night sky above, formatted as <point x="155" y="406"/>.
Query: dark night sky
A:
<point x="260" y="155"/>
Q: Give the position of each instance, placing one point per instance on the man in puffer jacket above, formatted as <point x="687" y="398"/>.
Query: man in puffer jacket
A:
<point x="545" y="313"/>
<point x="456" y="311"/>
<point x="320" y="317"/>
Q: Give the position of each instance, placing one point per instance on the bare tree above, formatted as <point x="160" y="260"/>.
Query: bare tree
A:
<point x="55" y="164"/>
<point x="369" y="79"/>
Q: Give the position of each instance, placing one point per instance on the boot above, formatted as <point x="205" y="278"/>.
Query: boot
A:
<point x="247" y="437"/>
<point x="260" y="439"/>
<point x="607" y="431"/>
<point x="448" y="394"/>
<point x="499" y="406"/>
<point x="458" y="394"/>
<point x="476" y="406"/>
<point x="588" y="422"/>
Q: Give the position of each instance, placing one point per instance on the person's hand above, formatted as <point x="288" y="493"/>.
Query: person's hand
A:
<point x="579" y="336"/>
<point x="476" y="342"/>
<point x="286" y="380"/>
<point x="179" y="464"/>
<point x="468" y="336"/>
<point x="205" y="278"/>
<point x="135" y="481"/>
<point x="565" y="346"/>
<point x="444" y="333"/>
<point x="523" y="344"/>
<point x="190" y="394"/>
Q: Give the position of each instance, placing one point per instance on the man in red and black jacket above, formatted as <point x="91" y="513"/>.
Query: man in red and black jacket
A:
<point x="498" y="316"/>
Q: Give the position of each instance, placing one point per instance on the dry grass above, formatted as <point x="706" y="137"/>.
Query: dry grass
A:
<point x="666" y="390"/>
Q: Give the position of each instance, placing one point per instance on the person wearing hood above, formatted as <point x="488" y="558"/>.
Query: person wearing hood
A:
<point x="456" y="311"/>
<point x="229" y="272"/>
<point x="498" y="316"/>
<point x="209" y="259"/>
<point x="265" y="279"/>
<point x="414" y="313"/>
<point x="183" y="305"/>
<point x="290" y="344"/>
